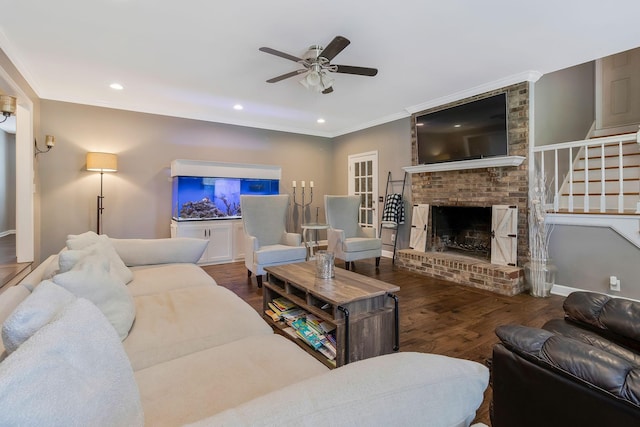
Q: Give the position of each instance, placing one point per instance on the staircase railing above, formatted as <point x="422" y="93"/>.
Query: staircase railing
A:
<point x="606" y="154"/>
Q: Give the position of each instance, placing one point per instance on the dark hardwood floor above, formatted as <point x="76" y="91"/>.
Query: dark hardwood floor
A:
<point x="9" y="267"/>
<point x="435" y="316"/>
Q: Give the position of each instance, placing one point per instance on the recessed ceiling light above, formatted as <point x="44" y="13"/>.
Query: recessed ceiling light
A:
<point x="238" y="107"/>
<point x="320" y="120"/>
<point x="457" y="126"/>
<point x="116" y="86"/>
<point x="419" y="124"/>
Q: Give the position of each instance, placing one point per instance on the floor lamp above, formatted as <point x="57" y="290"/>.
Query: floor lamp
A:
<point x="101" y="162"/>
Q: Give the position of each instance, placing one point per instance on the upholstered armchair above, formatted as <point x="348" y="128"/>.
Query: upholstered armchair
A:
<point x="345" y="237"/>
<point x="266" y="241"/>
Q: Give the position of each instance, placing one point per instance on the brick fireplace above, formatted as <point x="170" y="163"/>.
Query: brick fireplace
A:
<point x="481" y="188"/>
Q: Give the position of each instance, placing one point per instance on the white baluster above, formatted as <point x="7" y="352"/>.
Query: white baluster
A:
<point x="620" y="178"/>
<point x="603" y="190"/>
<point x="570" y="179"/>
<point x="586" y="179"/>
<point x="555" y="179"/>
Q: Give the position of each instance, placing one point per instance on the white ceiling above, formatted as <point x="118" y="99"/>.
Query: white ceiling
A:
<point x="198" y="58"/>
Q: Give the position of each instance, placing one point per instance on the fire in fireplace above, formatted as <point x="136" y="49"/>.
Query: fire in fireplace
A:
<point x="461" y="229"/>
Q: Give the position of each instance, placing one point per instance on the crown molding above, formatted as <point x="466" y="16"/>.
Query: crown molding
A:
<point x="527" y="76"/>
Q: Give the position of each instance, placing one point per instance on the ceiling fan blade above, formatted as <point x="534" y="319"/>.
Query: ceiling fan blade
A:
<point x="328" y="90"/>
<point x="286" y="76"/>
<point x="336" y="46"/>
<point x="280" y="54"/>
<point x="361" y="71"/>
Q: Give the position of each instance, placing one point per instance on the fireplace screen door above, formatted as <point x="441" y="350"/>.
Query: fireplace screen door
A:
<point x="363" y="182"/>
<point x="504" y="235"/>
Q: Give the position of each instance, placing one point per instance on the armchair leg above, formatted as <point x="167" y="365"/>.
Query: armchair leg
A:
<point x="248" y="273"/>
<point x="377" y="261"/>
<point x="346" y="265"/>
<point x="353" y="266"/>
<point x="259" y="279"/>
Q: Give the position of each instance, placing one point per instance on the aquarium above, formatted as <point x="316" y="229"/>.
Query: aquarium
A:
<point x="203" y="198"/>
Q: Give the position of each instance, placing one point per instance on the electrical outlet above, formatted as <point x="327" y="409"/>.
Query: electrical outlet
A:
<point x="614" y="283"/>
<point x="393" y="237"/>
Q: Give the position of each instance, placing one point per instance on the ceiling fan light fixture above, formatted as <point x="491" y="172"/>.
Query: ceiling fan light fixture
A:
<point x="313" y="78"/>
<point x="326" y="81"/>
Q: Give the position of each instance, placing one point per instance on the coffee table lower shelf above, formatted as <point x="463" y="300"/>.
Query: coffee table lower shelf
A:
<point x="363" y="310"/>
<point x="279" y="328"/>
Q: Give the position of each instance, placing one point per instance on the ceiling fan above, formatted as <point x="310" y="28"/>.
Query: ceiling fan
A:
<point x="317" y="65"/>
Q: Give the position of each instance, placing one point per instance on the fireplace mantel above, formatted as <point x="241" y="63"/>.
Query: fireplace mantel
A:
<point x="489" y="162"/>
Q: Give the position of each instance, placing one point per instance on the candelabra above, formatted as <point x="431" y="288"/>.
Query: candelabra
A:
<point x="303" y="204"/>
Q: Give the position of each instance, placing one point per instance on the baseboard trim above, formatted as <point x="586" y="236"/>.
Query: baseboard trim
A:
<point x="387" y="254"/>
<point x="564" y="291"/>
<point x="6" y="233"/>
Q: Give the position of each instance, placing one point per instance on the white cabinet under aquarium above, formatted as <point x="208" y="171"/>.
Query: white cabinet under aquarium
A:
<point x="206" y="203"/>
<point x="222" y="237"/>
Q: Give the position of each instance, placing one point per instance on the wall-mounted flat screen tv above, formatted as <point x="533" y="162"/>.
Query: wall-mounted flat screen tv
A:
<point x="474" y="130"/>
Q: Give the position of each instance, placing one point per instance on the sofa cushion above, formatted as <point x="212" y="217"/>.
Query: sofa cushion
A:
<point x="91" y="279"/>
<point x="47" y="267"/>
<point x="358" y="244"/>
<point x="9" y="300"/>
<point x="38" y="309"/>
<point x="588" y="336"/>
<point x="447" y="391"/>
<point x="178" y="322"/>
<point x="159" y="251"/>
<point x="278" y="254"/>
<point x="204" y="383"/>
<point x="73" y="371"/>
<point x="154" y="279"/>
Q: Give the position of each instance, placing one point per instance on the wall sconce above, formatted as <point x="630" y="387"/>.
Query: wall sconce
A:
<point x="7" y="106"/>
<point x="101" y="162"/>
<point x="50" y="141"/>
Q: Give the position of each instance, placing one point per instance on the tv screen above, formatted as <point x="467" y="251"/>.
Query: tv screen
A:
<point x="469" y="131"/>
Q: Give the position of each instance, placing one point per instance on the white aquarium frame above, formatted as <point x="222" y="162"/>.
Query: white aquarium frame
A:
<point x="199" y="168"/>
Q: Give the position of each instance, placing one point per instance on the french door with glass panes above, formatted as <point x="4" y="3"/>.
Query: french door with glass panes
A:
<point x="363" y="182"/>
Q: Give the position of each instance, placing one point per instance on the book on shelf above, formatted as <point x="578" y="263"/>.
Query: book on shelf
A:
<point x="306" y="333"/>
<point x="291" y="315"/>
<point x="283" y="304"/>
<point x="304" y="325"/>
<point x="272" y="314"/>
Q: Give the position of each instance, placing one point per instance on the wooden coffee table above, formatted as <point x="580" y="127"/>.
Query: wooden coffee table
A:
<point x="363" y="310"/>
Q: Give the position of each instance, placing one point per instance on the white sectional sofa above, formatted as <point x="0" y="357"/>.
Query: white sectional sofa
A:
<point x="192" y="353"/>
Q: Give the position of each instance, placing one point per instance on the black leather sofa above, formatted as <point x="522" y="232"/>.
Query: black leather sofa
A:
<point x="583" y="370"/>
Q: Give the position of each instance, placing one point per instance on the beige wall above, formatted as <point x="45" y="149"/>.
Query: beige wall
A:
<point x="138" y="197"/>
<point x="392" y="141"/>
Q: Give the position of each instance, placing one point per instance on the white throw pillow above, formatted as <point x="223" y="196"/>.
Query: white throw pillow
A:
<point x="72" y="372"/>
<point x="90" y="278"/>
<point x="81" y="241"/>
<point x="46" y="301"/>
<point x="103" y="247"/>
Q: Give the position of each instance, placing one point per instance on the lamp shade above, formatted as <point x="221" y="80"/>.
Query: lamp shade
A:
<point x="7" y="105"/>
<point x="102" y="162"/>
